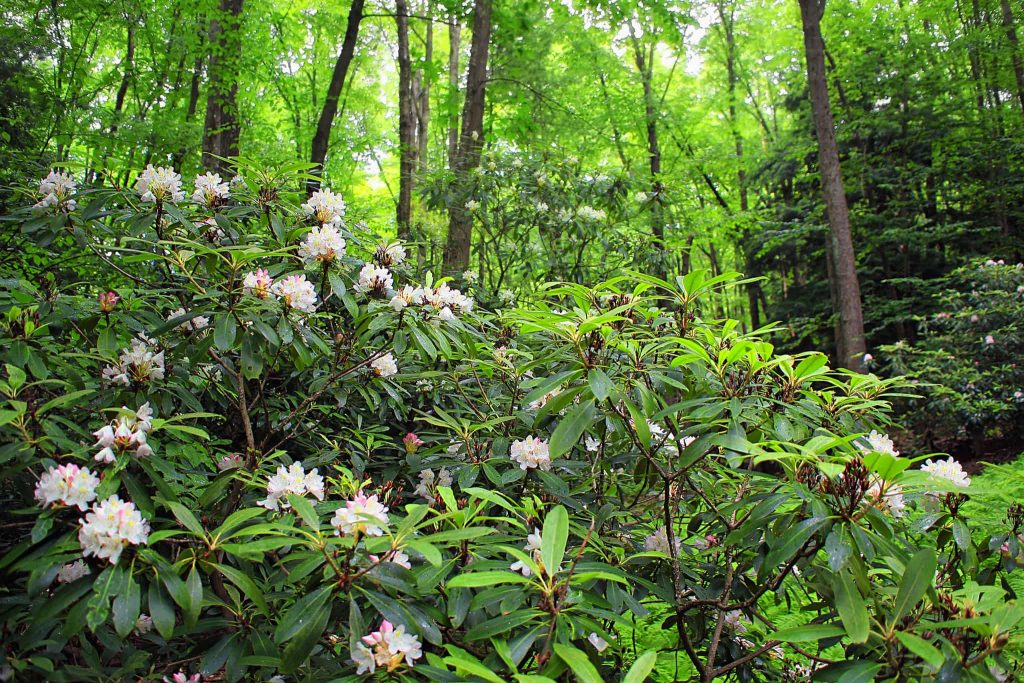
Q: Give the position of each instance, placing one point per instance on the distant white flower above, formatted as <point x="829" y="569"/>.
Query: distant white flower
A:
<point x="127" y="433"/>
<point x="947" y="469"/>
<point x="159" y="184"/>
<point x="599" y="643"/>
<point x="532" y="548"/>
<point x="325" y="207"/>
<point x="591" y="214"/>
<point x="322" y="244"/>
<point x="73" y="572"/>
<point x="374" y="281"/>
<point x="194" y="325"/>
<point x="297" y="292"/>
<point x="881" y="443"/>
<point x="892" y="499"/>
<point x="541" y="207"/>
<point x="470" y="277"/>
<point x="210" y="190"/>
<point x="734" y="620"/>
<point x="531" y="452"/>
<point x="506" y="296"/>
<point x="472" y="205"/>
<point x="67" y="484"/>
<point x="258" y="283"/>
<point x="229" y="462"/>
<point x="389" y="254"/>
<point x="868" y="360"/>
<point x="295" y="480"/>
<point x="658" y="542"/>
<point x="385" y="366"/>
<point x="56" y="190"/>
<point x="593" y="445"/>
<point x="396" y="557"/>
<point x="386" y="648"/>
<point x="989" y="339"/>
<point x="109" y="527"/>
<point x="430" y="481"/>
<point x="361" y="515"/>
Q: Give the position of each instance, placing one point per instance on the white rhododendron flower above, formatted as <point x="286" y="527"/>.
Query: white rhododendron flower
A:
<point x="385" y="366"/>
<point x="472" y="205"/>
<point x="159" y="184"/>
<point x="389" y="254"/>
<point x="361" y="515"/>
<point x="293" y="479"/>
<point x="531" y="452"/>
<point x="948" y="469"/>
<point x="126" y="433"/>
<point x="658" y="542"/>
<point x="137" y="364"/>
<point x="297" y="292"/>
<point x="210" y="190"/>
<point x="386" y="648"/>
<point x="258" y="283"/>
<point x="396" y="557"/>
<point x="892" y="499"/>
<point x="591" y="214"/>
<point x="323" y="245"/>
<point x="230" y="462"/>
<point x="374" y="280"/>
<point x="405" y="297"/>
<point x="532" y="547"/>
<point x="878" y="442"/>
<point x="69" y="485"/>
<point x="593" y="445"/>
<point x="143" y="625"/>
<point x="109" y="527"/>
<point x="73" y="572"/>
<point x="599" y="643"/>
<point x="325" y="207"/>
<point x="470" y="276"/>
<point x="56" y="190"/>
<point x="194" y="325"/>
<point x="734" y="620"/>
<point x="430" y="481"/>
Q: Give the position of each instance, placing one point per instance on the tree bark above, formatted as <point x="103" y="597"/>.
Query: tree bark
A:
<point x="850" y="341"/>
<point x="471" y="139"/>
<point x="221" y="132"/>
<point x="421" y="96"/>
<point x="1015" y="55"/>
<point x="406" y="123"/>
<point x="454" y="46"/>
<point x="322" y="136"/>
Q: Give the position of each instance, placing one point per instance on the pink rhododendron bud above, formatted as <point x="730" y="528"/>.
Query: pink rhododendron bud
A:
<point x="108" y="301"/>
<point x="412" y="443"/>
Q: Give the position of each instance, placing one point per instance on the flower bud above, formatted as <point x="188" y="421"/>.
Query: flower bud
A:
<point x="108" y="301"/>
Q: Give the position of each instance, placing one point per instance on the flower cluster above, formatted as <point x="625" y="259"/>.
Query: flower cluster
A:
<point x="210" y="190"/>
<point x="531" y="452"/>
<point x="386" y="648"/>
<point x="325" y="207"/>
<point x="374" y="281"/>
<point x="159" y="184"/>
<point x="193" y="325"/>
<point x="322" y="244"/>
<point x="948" y="469"/>
<point x="297" y="292"/>
<point x="658" y="542"/>
<point x="126" y="433"/>
<point x="361" y="515"/>
<point x="430" y="481"/>
<point x="442" y="303"/>
<point x="532" y="547"/>
<point x="258" y="283"/>
<point x="880" y="443"/>
<point x="293" y="479"/>
<point x="56" y="190"/>
<point x="385" y="366"/>
<point x="110" y="527"/>
<point x="137" y="364"/>
<point x="69" y="485"/>
<point x="389" y="254"/>
<point x="73" y="572"/>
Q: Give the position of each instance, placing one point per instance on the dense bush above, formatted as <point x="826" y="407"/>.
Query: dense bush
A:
<point x="967" y="359"/>
<point x="261" y="446"/>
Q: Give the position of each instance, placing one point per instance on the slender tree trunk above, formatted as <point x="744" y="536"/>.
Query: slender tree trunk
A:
<point x="421" y="95"/>
<point x="221" y="132"/>
<point x="454" y="46"/>
<point x="471" y="139"/>
<point x="322" y="136"/>
<point x="850" y="341"/>
<point x="1015" y="55"/>
<point x="645" y="65"/>
<point x="406" y="122"/>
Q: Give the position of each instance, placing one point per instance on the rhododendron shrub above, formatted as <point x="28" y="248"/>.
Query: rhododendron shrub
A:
<point x="245" y="440"/>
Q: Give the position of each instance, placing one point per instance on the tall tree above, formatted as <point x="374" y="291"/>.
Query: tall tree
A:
<point x="471" y="139"/>
<point x="454" y="47"/>
<point x="421" y="93"/>
<point x="322" y="136"/>
<point x="220" y="135"/>
<point x="1015" y="55"/>
<point x="849" y="329"/>
<point x="407" y="147"/>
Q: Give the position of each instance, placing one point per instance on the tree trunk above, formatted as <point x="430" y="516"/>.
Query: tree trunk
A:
<point x="645" y="65"/>
<point x="454" y="45"/>
<point x="850" y="341"/>
<point x="322" y="136"/>
<point x="421" y="96"/>
<point x="406" y="123"/>
<point x="1015" y="56"/>
<point x="471" y="139"/>
<point x="220" y="136"/>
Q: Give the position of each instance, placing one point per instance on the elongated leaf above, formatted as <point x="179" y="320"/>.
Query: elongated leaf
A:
<point x="306" y="510"/>
<point x="246" y="585"/>
<point x="917" y="578"/>
<point x="502" y="624"/>
<point x="789" y="543"/>
<point x="569" y="430"/>
<point x="851" y="607"/>
<point x="807" y="633"/>
<point x="553" y="538"/>
<point x="922" y="648"/>
<point x="488" y="578"/>
<point x="126" y="608"/>
<point x="187" y="519"/>
<point x="579" y="663"/>
<point x="641" y="667"/>
<point x="600" y="384"/>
